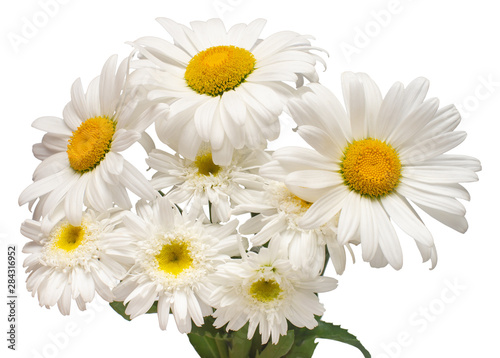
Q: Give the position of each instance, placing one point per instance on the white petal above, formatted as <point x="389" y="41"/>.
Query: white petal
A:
<point x="454" y="221"/>
<point x="410" y="125"/>
<point x="368" y="229"/>
<point x="132" y="179"/>
<point x="354" y="97"/>
<point x="123" y="139"/>
<point x="431" y="147"/>
<point x="163" y="311"/>
<point x="407" y="219"/>
<point x="324" y="209"/>
<point x="107" y="87"/>
<point x="52" y="124"/>
<point x="235" y="107"/>
<point x="315" y="179"/>
<point x="204" y="117"/>
<point x="439" y="202"/>
<point x="321" y="141"/>
<point x="73" y="204"/>
<point x="349" y="219"/>
<point x="45" y="185"/>
<point x="387" y="237"/>
<point x="79" y="101"/>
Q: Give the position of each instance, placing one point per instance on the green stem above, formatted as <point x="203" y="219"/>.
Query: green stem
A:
<point x="210" y="211"/>
<point x="222" y="347"/>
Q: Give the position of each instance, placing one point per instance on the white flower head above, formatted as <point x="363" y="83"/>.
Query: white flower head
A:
<point x="264" y="290"/>
<point x="200" y="181"/>
<point x="279" y="211"/>
<point x="80" y="153"/>
<point x="226" y="87"/>
<point x="367" y="162"/>
<point x="175" y="256"/>
<point x="74" y="262"/>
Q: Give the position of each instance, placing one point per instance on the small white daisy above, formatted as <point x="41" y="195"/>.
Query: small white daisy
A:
<point x="175" y="256"/>
<point x="224" y="87"/>
<point x="81" y="164"/>
<point x="73" y="262"/>
<point x="264" y="290"/>
<point x="279" y="212"/>
<point x="201" y="182"/>
<point x="368" y="162"/>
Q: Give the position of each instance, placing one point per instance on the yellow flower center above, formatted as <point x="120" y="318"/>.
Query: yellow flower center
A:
<point x="174" y="257"/>
<point x="69" y="237"/>
<point x="265" y="290"/>
<point x="219" y="69"/>
<point x="89" y="144"/>
<point x="205" y="164"/>
<point x="371" y="167"/>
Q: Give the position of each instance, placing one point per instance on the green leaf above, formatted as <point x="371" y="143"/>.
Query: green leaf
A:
<point x="279" y="349"/>
<point x="120" y="308"/>
<point x="208" y="341"/>
<point x="240" y="345"/>
<point x="304" y="349"/>
<point x="205" y="346"/>
<point x="305" y="337"/>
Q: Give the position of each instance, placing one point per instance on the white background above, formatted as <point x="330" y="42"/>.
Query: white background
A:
<point x="453" y="43"/>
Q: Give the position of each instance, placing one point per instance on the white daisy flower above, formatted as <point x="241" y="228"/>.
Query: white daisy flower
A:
<point x="224" y="87"/>
<point x="73" y="262"/>
<point x="264" y="290"/>
<point x="279" y="211"/>
<point x="367" y="162"/>
<point x="81" y="160"/>
<point x="201" y="182"/>
<point x="175" y="256"/>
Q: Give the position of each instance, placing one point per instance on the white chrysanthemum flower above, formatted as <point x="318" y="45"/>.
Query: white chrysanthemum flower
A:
<point x="175" y="257"/>
<point x="264" y="290"/>
<point x="73" y="262"/>
<point x="368" y="162"/>
<point x="279" y="211"/>
<point x="201" y="182"/>
<point x="80" y="156"/>
<point x="224" y="87"/>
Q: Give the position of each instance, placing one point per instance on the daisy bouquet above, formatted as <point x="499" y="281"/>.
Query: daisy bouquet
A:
<point x="228" y="237"/>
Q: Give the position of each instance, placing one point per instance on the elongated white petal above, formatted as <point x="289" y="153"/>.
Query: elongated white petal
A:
<point x="324" y="209"/>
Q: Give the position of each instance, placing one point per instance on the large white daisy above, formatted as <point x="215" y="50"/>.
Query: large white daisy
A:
<point x="225" y="87"/>
<point x="279" y="212"/>
<point x="264" y="290"/>
<point x="74" y="262"/>
<point x="200" y="182"/>
<point x="175" y="256"/>
<point x="368" y="162"/>
<point x="80" y="156"/>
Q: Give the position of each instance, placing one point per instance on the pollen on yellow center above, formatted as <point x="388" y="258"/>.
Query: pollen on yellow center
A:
<point x="90" y="143"/>
<point x="265" y="290"/>
<point x="205" y="164"/>
<point x="371" y="167"/>
<point x="219" y="69"/>
<point x="174" y="257"/>
<point x="69" y="237"/>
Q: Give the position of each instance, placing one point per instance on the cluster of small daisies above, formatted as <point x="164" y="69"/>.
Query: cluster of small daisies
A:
<point x="214" y="97"/>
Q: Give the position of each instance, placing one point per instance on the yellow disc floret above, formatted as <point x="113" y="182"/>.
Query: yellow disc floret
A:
<point x="265" y="290"/>
<point x="89" y="144"/>
<point x="69" y="237"/>
<point x="205" y="165"/>
<point x="219" y="69"/>
<point x="371" y="167"/>
<point x="174" y="257"/>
